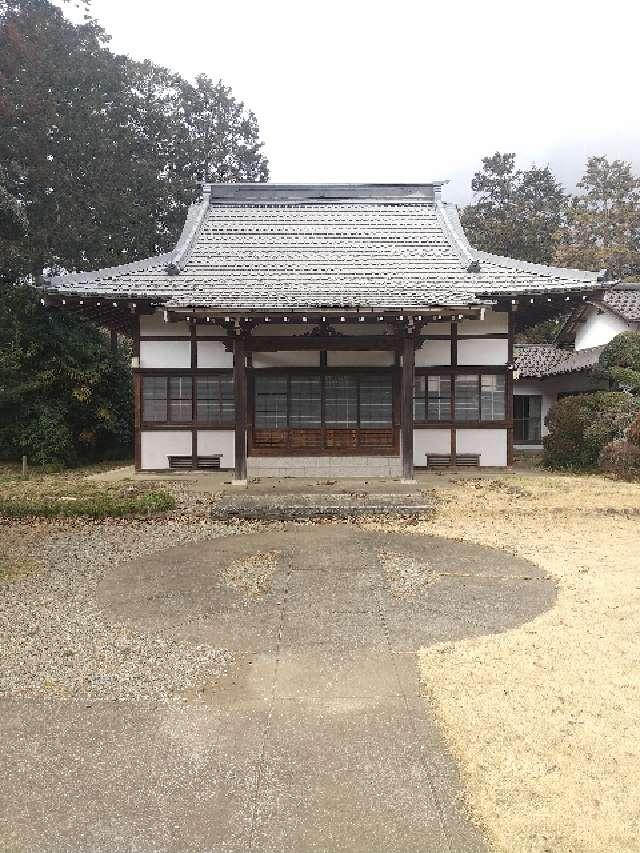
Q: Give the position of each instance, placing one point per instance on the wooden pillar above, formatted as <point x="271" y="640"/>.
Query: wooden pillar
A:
<point x="240" y="397"/>
<point x="509" y="391"/>
<point x="406" y="407"/>
<point x="137" y="395"/>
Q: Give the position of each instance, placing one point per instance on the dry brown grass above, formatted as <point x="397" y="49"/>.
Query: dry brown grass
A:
<point x="545" y="719"/>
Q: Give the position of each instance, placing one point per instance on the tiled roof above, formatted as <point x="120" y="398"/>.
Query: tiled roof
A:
<point x="269" y="247"/>
<point x="625" y="302"/>
<point x="540" y="360"/>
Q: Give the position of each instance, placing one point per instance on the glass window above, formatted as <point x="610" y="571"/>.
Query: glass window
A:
<point x="492" y="398"/>
<point x="467" y="398"/>
<point x="180" y="399"/>
<point x="305" y="402"/>
<point x="271" y="402"/>
<point x="527" y="418"/>
<point x="214" y="399"/>
<point x="341" y="401"/>
<point x="376" y="402"/>
<point x="439" y="398"/>
<point x="419" y="402"/>
<point x="154" y="398"/>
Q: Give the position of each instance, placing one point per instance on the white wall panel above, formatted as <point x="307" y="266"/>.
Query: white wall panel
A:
<point x="213" y="441"/>
<point x="491" y="444"/>
<point x="483" y="351"/>
<point x="153" y="324"/>
<point x="213" y="354"/>
<point x="165" y="353"/>
<point x="430" y="441"/>
<point x="287" y="359"/>
<point x="494" y="322"/>
<point x="355" y="358"/>
<point x="598" y="329"/>
<point x="156" y="446"/>
<point x="432" y="353"/>
<point x="436" y="329"/>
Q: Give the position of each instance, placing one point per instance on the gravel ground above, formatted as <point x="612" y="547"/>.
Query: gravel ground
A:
<point x="54" y="641"/>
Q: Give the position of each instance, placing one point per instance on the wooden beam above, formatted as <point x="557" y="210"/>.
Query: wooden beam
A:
<point x="406" y="406"/>
<point x="240" y="397"/>
<point x="264" y="343"/>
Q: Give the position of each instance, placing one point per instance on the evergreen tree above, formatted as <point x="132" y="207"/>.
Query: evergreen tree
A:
<point x="516" y="213"/>
<point x="602" y="230"/>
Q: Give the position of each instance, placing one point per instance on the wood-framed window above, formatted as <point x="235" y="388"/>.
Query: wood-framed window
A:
<point x="459" y="397"/>
<point x="323" y="411"/>
<point x="527" y="418"/>
<point x="188" y="399"/>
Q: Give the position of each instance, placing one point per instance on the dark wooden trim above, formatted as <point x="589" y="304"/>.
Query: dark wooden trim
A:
<point x="509" y="392"/>
<point x="194" y="404"/>
<point x="406" y="407"/>
<point x="486" y="337"/>
<point x="182" y="371"/>
<point x="166" y="426"/>
<point x="322" y="371"/>
<point x="454" y="344"/>
<point x="391" y="451"/>
<point x="323" y="359"/>
<point x="137" y="397"/>
<point x="454" y="442"/>
<point x="461" y="425"/>
<point x="224" y="339"/>
<point x="240" y="397"/>
<point x="447" y="369"/>
<point x="337" y="343"/>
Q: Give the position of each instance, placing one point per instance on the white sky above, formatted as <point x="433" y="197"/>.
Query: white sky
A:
<point x="361" y="90"/>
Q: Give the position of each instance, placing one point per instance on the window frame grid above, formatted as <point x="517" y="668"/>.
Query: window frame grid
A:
<point x="193" y="421"/>
<point x="453" y="374"/>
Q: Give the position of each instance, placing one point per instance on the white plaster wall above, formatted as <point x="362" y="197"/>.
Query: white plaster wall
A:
<point x="494" y="322"/>
<point x="483" y="351"/>
<point x="156" y="446"/>
<point x="359" y="359"/>
<point x="212" y="441"/>
<point x="213" y="354"/>
<point x="165" y="353"/>
<point x="599" y="328"/>
<point x="437" y="329"/>
<point x="491" y="444"/>
<point x="287" y="359"/>
<point x="153" y="324"/>
<point x="433" y="353"/>
<point x="430" y="441"/>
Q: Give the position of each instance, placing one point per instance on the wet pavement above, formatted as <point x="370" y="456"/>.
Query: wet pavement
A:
<point x="317" y="738"/>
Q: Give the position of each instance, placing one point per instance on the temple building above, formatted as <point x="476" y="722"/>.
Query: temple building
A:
<point x="322" y="330"/>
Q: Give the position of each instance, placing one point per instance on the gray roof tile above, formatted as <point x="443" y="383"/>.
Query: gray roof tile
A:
<point x="255" y="248"/>
<point x="535" y="361"/>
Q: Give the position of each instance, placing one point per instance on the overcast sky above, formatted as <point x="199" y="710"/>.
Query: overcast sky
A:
<point x="360" y="90"/>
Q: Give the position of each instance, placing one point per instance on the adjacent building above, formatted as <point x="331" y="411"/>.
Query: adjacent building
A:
<point x="322" y="330"/>
<point x="545" y="372"/>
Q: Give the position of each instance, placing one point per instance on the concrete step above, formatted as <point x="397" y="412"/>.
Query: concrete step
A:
<point x="295" y="507"/>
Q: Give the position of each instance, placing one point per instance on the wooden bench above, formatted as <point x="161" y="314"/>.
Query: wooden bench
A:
<point x="460" y="460"/>
<point x="184" y="462"/>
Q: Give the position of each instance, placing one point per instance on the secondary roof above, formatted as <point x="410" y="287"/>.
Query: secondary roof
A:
<point x="274" y="247"/>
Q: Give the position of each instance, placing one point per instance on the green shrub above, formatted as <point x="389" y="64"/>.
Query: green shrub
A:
<point x="620" y="360"/>
<point x="581" y="426"/>
<point x="98" y="505"/>
<point x="622" y="459"/>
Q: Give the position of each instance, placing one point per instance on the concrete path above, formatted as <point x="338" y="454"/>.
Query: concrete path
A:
<point x="316" y="739"/>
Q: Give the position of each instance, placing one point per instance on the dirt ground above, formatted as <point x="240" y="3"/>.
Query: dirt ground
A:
<point x="544" y="718"/>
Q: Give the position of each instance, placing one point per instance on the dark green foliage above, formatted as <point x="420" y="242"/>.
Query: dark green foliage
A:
<point x="98" y="505"/>
<point x="602" y="229"/>
<point x="620" y="361"/>
<point x="105" y="153"/>
<point x="544" y="332"/>
<point x="101" y="156"/>
<point x="64" y="397"/>
<point x="581" y="426"/>
<point x="516" y="213"/>
<point x="622" y="460"/>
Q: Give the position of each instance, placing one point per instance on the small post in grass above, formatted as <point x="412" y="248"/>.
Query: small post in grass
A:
<point x="24" y="467"/>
